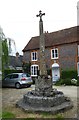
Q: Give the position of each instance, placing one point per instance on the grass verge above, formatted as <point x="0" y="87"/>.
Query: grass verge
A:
<point x="7" y="114"/>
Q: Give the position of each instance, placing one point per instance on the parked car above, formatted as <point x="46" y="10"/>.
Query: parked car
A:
<point x="17" y="80"/>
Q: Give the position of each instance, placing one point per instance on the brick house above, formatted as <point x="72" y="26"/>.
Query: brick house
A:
<point x="61" y="53"/>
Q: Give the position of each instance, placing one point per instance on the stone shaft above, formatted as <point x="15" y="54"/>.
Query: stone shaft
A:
<point x="43" y="85"/>
<point x="43" y="70"/>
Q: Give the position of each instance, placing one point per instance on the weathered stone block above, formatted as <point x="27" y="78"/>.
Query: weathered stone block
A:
<point x="43" y="86"/>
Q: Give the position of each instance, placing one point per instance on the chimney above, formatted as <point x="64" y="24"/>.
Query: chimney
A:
<point x="17" y="54"/>
<point x="46" y="32"/>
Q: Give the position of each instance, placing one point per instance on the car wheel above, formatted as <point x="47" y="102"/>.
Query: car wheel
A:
<point x="17" y="85"/>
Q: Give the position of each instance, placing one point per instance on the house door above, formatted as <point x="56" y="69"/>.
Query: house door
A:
<point x="55" y="72"/>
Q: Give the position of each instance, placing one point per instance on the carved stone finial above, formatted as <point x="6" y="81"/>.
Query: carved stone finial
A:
<point x="40" y="15"/>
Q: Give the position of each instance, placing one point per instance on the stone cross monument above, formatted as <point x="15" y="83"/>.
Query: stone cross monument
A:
<point x="43" y="70"/>
<point x="43" y="85"/>
<point x="44" y="98"/>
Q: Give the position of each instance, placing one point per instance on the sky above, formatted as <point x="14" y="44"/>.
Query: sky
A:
<point x="19" y="22"/>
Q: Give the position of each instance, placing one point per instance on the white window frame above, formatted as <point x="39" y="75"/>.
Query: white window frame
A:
<point x="78" y="50"/>
<point x="34" y="56"/>
<point x="53" y="56"/>
<point x="77" y="68"/>
<point x="34" y="69"/>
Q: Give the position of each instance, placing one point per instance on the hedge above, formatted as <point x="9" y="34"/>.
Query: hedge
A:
<point x="64" y="82"/>
<point x="69" y="74"/>
<point x="8" y="71"/>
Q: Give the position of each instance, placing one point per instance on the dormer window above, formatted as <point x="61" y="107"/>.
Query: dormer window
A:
<point x="34" y="56"/>
<point x="54" y="53"/>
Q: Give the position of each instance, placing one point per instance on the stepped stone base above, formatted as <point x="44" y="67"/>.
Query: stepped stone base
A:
<point x="57" y="102"/>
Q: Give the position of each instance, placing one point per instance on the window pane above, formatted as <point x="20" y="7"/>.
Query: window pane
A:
<point x="27" y="75"/>
<point x="56" y="53"/>
<point x="34" y="70"/>
<point x="15" y="76"/>
<point x="34" y="55"/>
<point x="23" y="75"/>
<point x="8" y="76"/>
<point x="52" y="53"/>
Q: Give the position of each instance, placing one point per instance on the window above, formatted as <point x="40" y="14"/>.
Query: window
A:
<point x="8" y="77"/>
<point x="34" y="56"/>
<point x="25" y="75"/>
<point x="34" y="70"/>
<point x="78" y="50"/>
<point x="15" y="76"/>
<point x="54" y="53"/>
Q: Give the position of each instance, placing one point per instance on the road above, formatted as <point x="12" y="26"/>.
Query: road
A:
<point x="11" y="95"/>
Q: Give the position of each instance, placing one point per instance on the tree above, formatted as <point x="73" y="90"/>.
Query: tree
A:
<point x="0" y="55"/>
<point x="5" y="52"/>
<point x="26" y="67"/>
<point x="5" y="57"/>
<point x="1" y="38"/>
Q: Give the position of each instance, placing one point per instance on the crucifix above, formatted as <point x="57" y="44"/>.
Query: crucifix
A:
<point x="40" y="15"/>
<point x="40" y="22"/>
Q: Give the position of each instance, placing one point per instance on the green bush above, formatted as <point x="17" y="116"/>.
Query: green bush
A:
<point x="8" y="71"/>
<point x="67" y="81"/>
<point x="64" y="82"/>
<point x="26" y="67"/>
<point x="59" y="117"/>
<point x="49" y="71"/>
<point x="59" y="82"/>
<point x="77" y="82"/>
<point x="69" y="74"/>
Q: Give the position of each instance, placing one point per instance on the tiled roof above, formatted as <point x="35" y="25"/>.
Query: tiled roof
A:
<point x="15" y="61"/>
<point x="60" y="37"/>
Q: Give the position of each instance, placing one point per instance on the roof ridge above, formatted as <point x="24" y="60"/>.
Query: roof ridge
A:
<point x="54" y="38"/>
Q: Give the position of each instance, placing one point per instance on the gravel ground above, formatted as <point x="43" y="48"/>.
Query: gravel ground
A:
<point x="11" y="95"/>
